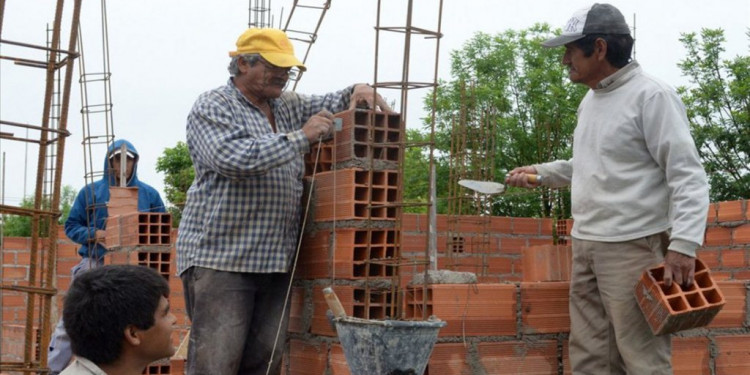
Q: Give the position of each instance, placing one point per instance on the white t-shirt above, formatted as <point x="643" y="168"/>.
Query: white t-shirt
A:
<point x="82" y="366"/>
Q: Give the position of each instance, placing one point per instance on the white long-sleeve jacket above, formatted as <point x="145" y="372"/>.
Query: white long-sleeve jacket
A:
<point x="635" y="170"/>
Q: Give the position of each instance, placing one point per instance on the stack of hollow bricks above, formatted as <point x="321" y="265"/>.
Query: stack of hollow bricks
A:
<point x="513" y="323"/>
<point x="143" y="238"/>
<point x="126" y="227"/>
<point x="351" y="239"/>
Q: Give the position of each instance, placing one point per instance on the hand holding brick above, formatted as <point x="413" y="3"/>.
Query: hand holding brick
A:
<point x="671" y="309"/>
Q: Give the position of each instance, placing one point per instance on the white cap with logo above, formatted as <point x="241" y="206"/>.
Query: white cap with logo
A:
<point x="596" y="19"/>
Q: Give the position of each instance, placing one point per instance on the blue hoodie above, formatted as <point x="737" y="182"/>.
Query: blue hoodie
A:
<point x="86" y="216"/>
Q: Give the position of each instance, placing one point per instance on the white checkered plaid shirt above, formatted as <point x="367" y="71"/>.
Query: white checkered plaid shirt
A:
<point x="243" y="210"/>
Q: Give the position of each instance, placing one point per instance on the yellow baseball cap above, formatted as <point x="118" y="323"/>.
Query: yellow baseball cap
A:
<point x="272" y="44"/>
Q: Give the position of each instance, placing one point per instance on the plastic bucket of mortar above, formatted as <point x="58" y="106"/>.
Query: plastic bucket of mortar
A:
<point x="387" y="347"/>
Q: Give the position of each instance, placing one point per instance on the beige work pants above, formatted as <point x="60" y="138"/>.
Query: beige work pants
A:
<point x="608" y="332"/>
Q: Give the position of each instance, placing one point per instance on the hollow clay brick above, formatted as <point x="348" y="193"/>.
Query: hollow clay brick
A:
<point x="357" y="254"/>
<point x="718" y="236"/>
<point x="469" y="309"/>
<point x="526" y="225"/>
<point x="139" y="229"/>
<point x="672" y="309"/>
<point x="711" y="258"/>
<point x="505" y="358"/>
<point x="347" y="194"/>
<point x="546" y="263"/>
<point x="501" y="224"/>
<point x="307" y="358"/>
<point x="690" y="355"/>
<point x="337" y="361"/>
<point x="741" y="235"/>
<point x="122" y="200"/>
<point x="358" y="302"/>
<point x="713" y="213"/>
<point x="412" y="222"/>
<point x="512" y="245"/>
<point x="449" y="359"/>
<point x="364" y="135"/>
<point x="732" y="315"/>
<point x="16" y="243"/>
<point x="177" y="366"/>
<point x="160" y="262"/>
<point x="733" y="352"/>
<point x="297" y="311"/>
<point x="733" y="258"/>
<point x="731" y="211"/>
<point x="544" y="307"/>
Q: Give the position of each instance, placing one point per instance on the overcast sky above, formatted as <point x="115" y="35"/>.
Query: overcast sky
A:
<point x="164" y="53"/>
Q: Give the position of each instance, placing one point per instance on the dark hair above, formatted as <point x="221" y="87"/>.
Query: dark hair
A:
<point x="103" y="301"/>
<point x="619" y="47"/>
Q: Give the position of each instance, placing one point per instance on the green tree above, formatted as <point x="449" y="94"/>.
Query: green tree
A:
<point x="177" y="167"/>
<point x="511" y="81"/>
<point x="17" y="225"/>
<point x="20" y="226"/>
<point x="718" y="107"/>
<point x="67" y="197"/>
<point x="417" y="173"/>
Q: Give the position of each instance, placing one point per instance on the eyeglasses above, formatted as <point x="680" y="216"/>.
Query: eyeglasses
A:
<point x="292" y="74"/>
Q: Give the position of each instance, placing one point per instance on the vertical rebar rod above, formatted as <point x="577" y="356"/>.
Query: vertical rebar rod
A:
<point x="42" y="155"/>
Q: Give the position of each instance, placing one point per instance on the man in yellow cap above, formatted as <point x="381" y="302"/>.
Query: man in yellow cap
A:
<point x="241" y="222"/>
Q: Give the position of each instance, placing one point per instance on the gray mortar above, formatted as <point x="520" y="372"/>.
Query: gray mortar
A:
<point x="307" y="310"/>
<point x="377" y="284"/>
<point x="313" y="226"/>
<point x="713" y="352"/>
<point x="519" y="311"/>
<point x="561" y="338"/>
<point x="364" y="163"/>
<point x="444" y="277"/>
<point x="474" y="360"/>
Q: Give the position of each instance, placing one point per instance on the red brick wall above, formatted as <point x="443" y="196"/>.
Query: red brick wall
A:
<point x="16" y="259"/>
<point x="505" y="324"/>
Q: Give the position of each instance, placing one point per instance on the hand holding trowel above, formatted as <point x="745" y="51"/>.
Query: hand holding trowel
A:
<point x="514" y="178"/>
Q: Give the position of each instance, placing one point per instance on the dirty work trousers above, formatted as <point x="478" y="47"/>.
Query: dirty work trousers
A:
<point x="60" y="351"/>
<point x="235" y="318"/>
<point x="608" y="332"/>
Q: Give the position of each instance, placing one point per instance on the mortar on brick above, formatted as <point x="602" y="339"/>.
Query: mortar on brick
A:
<point x="444" y="277"/>
<point x="475" y="360"/>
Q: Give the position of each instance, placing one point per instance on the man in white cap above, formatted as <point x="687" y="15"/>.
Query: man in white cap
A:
<point x="86" y="226"/>
<point x="639" y="195"/>
<point x="241" y="223"/>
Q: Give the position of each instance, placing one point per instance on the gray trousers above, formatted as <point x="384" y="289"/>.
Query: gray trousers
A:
<point x="608" y="332"/>
<point x="235" y="318"/>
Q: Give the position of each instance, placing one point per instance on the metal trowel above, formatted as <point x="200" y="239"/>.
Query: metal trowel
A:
<point x="493" y="188"/>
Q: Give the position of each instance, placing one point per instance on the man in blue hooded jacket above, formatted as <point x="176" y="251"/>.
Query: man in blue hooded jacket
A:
<point x="86" y="224"/>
